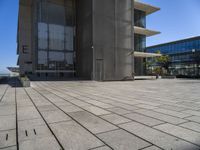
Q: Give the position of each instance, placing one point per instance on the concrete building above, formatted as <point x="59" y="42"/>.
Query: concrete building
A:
<point x="184" y="56"/>
<point x="90" y="39"/>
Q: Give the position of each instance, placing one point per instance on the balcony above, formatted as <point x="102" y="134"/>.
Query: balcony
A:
<point x="146" y="32"/>
<point x="149" y="9"/>
<point x="146" y="55"/>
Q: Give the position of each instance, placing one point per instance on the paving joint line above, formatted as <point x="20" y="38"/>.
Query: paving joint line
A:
<point x="146" y="147"/>
<point x="73" y="119"/>
<point x="16" y="116"/>
<point x="45" y="121"/>
<point x="100" y="101"/>
<point x="132" y="111"/>
<point x="97" y="147"/>
<point x="107" y="131"/>
<point x="127" y="118"/>
<point x="8" y="147"/>
<point x="4" y="93"/>
<point x="102" y="119"/>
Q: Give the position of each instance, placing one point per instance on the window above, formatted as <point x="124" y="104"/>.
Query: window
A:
<point x="55" y="35"/>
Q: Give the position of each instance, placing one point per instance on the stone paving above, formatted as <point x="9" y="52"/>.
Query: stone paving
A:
<point x="88" y="115"/>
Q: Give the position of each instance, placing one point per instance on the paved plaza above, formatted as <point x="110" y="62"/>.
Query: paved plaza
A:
<point x="89" y="115"/>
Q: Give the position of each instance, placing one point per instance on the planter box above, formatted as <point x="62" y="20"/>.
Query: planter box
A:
<point x="25" y="82"/>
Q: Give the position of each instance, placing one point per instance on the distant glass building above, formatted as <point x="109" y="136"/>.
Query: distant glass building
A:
<point x="184" y="55"/>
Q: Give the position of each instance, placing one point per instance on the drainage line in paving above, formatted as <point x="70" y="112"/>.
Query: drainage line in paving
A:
<point x="122" y="116"/>
<point x="16" y="117"/>
<point x="45" y="120"/>
<point x="4" y="93"/>
<point x="74" y="119"/>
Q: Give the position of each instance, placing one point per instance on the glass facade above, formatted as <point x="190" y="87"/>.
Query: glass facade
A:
<point x="139" y="18"/>
<point x="139" y="41"/>
<point x="177" y="47"/>
<point x="183" y="55"/>
<point x="55" y="36"/>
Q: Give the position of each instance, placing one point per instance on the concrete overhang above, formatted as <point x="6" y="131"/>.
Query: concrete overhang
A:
<point x="149" y="9"/>
<point x="146" y="55"/>
<point x="146" y="32"/>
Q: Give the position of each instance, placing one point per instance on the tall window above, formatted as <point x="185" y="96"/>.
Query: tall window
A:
<point x="140" y="42"/>
<point x="139" y="18"/>
<point x="56" y="35"/>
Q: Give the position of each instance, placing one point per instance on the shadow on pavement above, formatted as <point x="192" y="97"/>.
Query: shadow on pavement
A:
<point x="12" y="81"/>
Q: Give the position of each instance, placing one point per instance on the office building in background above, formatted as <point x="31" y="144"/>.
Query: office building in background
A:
<point x="184" y="56"/>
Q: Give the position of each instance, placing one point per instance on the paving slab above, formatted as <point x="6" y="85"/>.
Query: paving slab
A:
<point x="47" y="108"/>
<point x="44" y="143"/>
<point x="145" y="106"/>
<point x="119" y="110"/>
<point x="191" y="136"/>
<point x="115" y="119"/>
<point x="26" y="113"/>
<point x="99" y="104"/>
<point x="71" y="108"/>
<point x="24" y="103"/>
<point x="192" y="112"/>
<point x="92" y="122"/>
<point x="122" y="140"/>
<point x="7" y="138"/>
<point x="158" y="138"/>
<point x="162" y="117"/>
<point x="189" y="104"/>
<point x="10" y="148"/>
<point x="172" y="113"/>
<point x="152" y="148"/>
<point x="125" y="106"/>
<point x="74" y="137"/>
<point x="171" y="107"/>
<point x="62" y="103"/>
<point x="7" y="110"/>
<point x="55" y="116"/>
<point x="102" y="148"/>
<point x="31" y="123"/>
<point x="191" y="125"/>
<point x="194" y="118"/>
<point x="79" y="103"/>
<point x="143" y="119"/>
<point x="7" y="122"/>
<point x="95" y="110"/>
<point x="40" y="101"/>
<point x="34" y="132"/>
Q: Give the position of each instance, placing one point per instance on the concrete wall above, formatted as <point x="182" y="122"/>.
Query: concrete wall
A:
<point x="25" y="36"/>
<point x="113" y="39"/>
<point x="84" y="51"/>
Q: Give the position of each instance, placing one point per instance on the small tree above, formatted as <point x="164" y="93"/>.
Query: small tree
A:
<point x="196" y="58"/>
<point x="148" y="64"/>
<point x="163" y="62"/>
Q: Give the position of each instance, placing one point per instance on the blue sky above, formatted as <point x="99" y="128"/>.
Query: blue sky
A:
<point x="8" y="33"/>
<point x="177" y="19"/>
